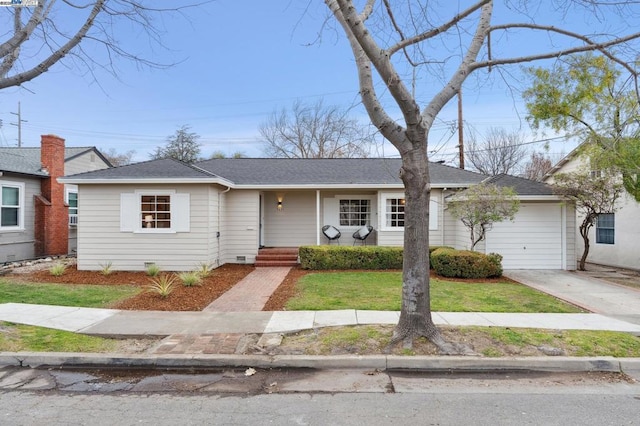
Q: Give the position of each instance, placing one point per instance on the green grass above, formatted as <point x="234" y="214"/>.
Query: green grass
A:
<point x="369" y="290"/>
<point x="88" y="296"/>
<point x="18" y="338"/>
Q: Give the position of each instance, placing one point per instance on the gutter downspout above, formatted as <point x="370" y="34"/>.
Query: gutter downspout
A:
<point x="218" y="231"/>
<point x="317" y="217"/>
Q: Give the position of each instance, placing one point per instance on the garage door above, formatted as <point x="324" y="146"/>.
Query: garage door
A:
<point x="532" y="241"/>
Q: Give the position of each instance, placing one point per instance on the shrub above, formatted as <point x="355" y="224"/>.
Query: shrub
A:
<point x="349" y="257"/>
<point x="189" y="279"/>
<point x="106" y="268"/>
<point x="162" y="285"/>
<point x="434" y="248"/>
<point x="452" y="263"/>
<point x="57" y="269"/>
<point x="153" y="270"/>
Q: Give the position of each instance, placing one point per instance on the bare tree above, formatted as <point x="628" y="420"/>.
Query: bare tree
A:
<point x="36" y="38"/>
<point x="118" y="158"/>
<point x="182" y="146"/>
<point x="392" y="42"/>
<point x="593" y="195"/>
<point x="500" y="152"/>
<point x="539" y="164"/>
<point x="315" y="131"/>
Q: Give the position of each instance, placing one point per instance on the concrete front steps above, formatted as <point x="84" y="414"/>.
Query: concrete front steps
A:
<point x="277" y="256"/>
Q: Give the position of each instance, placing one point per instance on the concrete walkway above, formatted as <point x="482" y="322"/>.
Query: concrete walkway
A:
<point x="581" y="289"/>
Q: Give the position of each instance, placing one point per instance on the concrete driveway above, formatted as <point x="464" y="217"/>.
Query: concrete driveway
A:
<point x="593" y="294"/>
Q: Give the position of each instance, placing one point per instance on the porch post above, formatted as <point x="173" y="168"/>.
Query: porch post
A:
<point x="317" y="217"/>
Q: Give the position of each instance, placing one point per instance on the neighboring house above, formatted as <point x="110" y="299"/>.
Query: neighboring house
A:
<point x="224" y="210"/>
<point x="615" y="239"/>
<point x="39" y="214"/>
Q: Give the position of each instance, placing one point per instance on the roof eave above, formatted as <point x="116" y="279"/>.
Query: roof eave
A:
<point x="132" y="181"/>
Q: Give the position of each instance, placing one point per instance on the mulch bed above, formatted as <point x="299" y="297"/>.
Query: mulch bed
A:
<point x="182" y="298"/>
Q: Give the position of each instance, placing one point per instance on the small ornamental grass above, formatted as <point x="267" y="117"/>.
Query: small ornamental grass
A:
<point x="204" y="269"/>
<point x="58" y="269"/>
<point x="106" y="268"/>
<point x="153" y="270"/>
<point x="162" y="285"/>
<point x="191" y="278"/>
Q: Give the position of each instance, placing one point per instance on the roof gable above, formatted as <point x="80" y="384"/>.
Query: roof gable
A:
<point x="26" y="160"/>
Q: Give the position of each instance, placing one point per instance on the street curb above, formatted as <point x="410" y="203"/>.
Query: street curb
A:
<point x="380" y="362"/>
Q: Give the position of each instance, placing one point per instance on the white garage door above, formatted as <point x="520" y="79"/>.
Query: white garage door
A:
<point x="532" y="241"/>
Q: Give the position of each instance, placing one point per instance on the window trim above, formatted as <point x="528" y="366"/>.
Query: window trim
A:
<point x="68" y="191"/>
<point x="434" y="211"/>
<point x="356" y="198"/>
<point x="611" y="228"/>
<point x="138" y="228"/>
<point x="21" y="205"/>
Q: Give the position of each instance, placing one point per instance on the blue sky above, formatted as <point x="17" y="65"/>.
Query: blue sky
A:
<point x="237" y="62"/>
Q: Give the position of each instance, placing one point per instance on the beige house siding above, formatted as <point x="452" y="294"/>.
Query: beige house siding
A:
<point x="295" y="224"/>
<point x="19" y="244"/>
<point x="240" y="226"/>
<point x="86" y="162"/>
<point x="625" y="252"/>
<point x="101" y="240"/>
<point x="393" y="237"/>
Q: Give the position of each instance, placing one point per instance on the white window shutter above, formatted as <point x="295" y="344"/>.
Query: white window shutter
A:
<point x="128" y="212"/>
<point x="180" y="212"/>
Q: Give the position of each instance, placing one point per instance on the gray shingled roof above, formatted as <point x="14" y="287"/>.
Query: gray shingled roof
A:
<point x="26" y="160"/>
<point x="522" y="186"/>
<point x="153" y="169"/>
<point x="284" y="171"/>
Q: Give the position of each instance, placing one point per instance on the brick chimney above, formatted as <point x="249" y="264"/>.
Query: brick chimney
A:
<point x="52" y="213"/>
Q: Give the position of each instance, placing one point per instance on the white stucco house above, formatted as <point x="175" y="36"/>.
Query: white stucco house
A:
<point x="615" y="239"/>
<point x="225" y="210"/>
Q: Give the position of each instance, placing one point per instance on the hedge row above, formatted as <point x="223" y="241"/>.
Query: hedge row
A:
<point x="349" y="257"/>
<point x="452" y="263"/>
<point x="446" y="261"/>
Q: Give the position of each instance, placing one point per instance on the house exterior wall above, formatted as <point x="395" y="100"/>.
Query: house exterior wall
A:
<point x="101" y="238"/>
<point x="295" y="224"/>
<point x="86" y="162"/>
<point x="625" y="252"/>
<point x="19" y="244"/>
<point x="240" y="226"/>
<point x="330" y="214"/>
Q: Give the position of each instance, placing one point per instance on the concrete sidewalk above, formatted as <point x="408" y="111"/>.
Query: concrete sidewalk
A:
<point x="118" y="323"/>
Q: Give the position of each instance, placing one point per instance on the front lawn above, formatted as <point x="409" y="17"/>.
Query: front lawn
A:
<point x="88" y="296"/>
<point x="372" y="290"/>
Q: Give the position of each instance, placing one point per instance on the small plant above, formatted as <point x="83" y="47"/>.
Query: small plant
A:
<point x="162" y="285"/>
<point x="189" y="279"/>
<point x="57" y="269"/>
<point x="204" y="269"/>
<point x="106" y="268"/>
<point x="153" y="270"/>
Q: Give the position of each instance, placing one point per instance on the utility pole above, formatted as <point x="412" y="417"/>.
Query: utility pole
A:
<point x="19" y="124"/>
<point x="460" y="130"/>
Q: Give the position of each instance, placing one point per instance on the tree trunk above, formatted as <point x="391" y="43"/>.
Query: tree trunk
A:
<point x="586" y="225"/>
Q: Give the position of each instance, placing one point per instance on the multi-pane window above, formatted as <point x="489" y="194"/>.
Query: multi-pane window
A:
<point x="155" y="211"/>
<point x="605" y="228"/>
<point x="72" y="201"/>
<point x="394" y="212"/>
<point x="355" y="212"/>
<point x="10" y="207"/>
